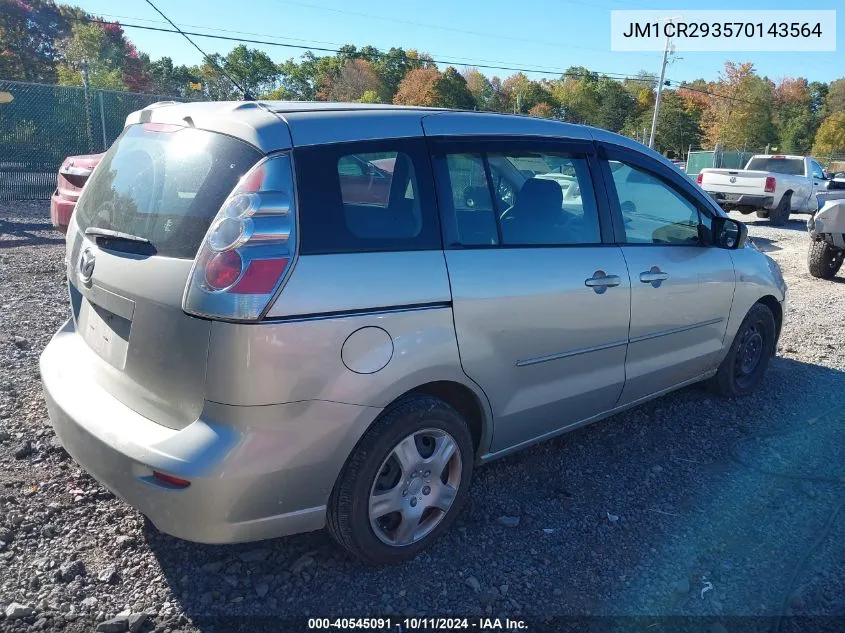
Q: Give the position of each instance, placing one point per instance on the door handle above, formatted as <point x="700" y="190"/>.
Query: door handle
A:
<point x="654" y="276"/>
<point x="601" y="281"/>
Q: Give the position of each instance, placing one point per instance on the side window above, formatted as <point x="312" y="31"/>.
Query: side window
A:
<point x="653" y="212"/>
<point x="475" y="215"/>
<point x="522" y="199"/>
<point x="816" y="170"/>
<point x="366" y="197"/>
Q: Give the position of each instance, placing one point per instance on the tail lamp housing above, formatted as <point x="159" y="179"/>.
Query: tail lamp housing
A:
<point x="770" y="184"/>
<point x="249" y="248"/>
<point x="700" y="178"/>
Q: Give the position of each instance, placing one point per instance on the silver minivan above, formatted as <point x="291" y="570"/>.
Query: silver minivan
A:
<point x="287" y="316"/>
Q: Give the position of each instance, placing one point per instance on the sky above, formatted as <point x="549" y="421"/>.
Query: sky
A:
<point x="544" y="35"/>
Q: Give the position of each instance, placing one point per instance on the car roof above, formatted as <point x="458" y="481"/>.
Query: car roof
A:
<point x="279" y="125"/>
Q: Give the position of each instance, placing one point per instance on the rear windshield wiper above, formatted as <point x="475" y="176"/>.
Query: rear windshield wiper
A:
<point x="111" y="234"/>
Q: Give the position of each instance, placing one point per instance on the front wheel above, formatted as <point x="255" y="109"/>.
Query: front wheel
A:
<point x="823" y="260"/>
<point x="405" y="482"/>
<point x="743" y="368"/>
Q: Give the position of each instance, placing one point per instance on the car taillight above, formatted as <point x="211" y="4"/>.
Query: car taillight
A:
<point x="700" y="178"/>
<point x="248" y="249"/>
<point x="770" y="185"/>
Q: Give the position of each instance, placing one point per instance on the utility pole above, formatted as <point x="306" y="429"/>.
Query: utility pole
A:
<point x="659" y="93"/>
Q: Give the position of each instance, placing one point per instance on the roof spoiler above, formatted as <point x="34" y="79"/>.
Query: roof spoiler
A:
<point x="144" y="115"/>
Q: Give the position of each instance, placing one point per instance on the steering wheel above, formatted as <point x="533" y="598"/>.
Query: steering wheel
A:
<point x="506" y="214"/>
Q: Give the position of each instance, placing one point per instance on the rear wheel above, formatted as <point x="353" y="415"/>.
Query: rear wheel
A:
<point x="780" y="214"/>
<point x="824" y="260"/>
<point x="743" y="368"/>
<point x="405" y="482"/>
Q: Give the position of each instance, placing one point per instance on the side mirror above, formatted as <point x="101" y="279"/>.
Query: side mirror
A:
<point x="729" y="233"/>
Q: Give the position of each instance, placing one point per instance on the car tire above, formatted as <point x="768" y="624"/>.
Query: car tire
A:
<point x="762" y="213"/>
<point x="823" y="260"/>
<point x="408" y="428"/>
<point x="742" y="370"/>
<point x="780" y="214"/>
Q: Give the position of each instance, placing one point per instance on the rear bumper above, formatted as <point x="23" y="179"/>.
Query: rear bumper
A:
<point x="61" y="210"/>
<point x="742" y="200"/>
<point x="255" y="472"/>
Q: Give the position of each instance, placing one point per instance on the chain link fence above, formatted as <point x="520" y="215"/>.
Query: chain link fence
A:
<point x="40" y="125"/>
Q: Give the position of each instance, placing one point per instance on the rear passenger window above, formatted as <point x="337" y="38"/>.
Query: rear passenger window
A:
<point x="522" y="199"/>
<point x="366" y="197"/>
<point x="475" y="215"/>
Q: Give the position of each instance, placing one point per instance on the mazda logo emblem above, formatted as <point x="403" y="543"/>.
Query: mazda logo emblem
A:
<point x="86" y="265"/>
<point x="733" y="179"/>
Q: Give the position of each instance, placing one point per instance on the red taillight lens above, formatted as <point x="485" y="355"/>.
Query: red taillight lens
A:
<point x="770" y="185"/>
<point x="261" y="276"/>
<point x="171" y="480"/>
<point x="253" y="181"/>
<point x="249" y="247"/>
<point x="223" y="269"/>
<point x="700" y="178"/>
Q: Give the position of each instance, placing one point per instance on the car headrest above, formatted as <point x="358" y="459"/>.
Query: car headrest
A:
<point x="540" y="195"/>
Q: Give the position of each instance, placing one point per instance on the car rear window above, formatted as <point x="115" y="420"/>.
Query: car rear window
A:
<point x="165" y="184"/>
<point x="789" y="166"/>
<point x="366" y="197"/>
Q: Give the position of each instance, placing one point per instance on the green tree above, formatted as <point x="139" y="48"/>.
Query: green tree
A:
<point x="216" y="86"/>
<point x="104" y="54"/>
<point x="831" y="135"/>
<point x="677" y="127"/>
<point x="391" y="68"/>
<point x="499" y="98"/>
<point x="167" y="79"/>
<point x="29" y="34"/>
<point x="742" y="116"/>
<point x="252" y="69"/>
<point x="452" y="91"/>
<point x="480" y="88"/>
<point x="818" y="95"/>
<point x="578" y="98"/>
<point x="615" y="104"/>
<point x="835" y="101"/>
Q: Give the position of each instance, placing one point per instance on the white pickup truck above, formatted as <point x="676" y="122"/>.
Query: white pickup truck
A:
<point x="772" y="185"/>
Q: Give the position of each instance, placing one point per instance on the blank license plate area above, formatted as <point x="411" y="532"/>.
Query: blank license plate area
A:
<point x="105" y="332"/>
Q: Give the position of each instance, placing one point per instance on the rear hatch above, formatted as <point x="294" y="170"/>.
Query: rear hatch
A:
<point x="139" y="224"/>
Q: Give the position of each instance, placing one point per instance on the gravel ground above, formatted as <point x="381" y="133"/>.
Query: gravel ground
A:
<point x="679" y="507"/>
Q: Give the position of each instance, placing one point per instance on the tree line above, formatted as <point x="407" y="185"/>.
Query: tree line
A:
<point x="47" y="42"/>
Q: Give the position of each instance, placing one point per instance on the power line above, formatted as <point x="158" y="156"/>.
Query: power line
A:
<point x="245" y="94"/>
<point x="468" y="60"/>
<point x="336" y="50"/>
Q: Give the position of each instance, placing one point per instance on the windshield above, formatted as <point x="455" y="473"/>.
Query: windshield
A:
<point x="165" y="184"/>
<point x="789" y="166"/>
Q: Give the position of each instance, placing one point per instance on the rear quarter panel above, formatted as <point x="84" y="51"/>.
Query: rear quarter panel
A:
<point x="301" y="351"/>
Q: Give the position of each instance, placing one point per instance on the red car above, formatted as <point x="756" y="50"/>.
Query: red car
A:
<point x="72" y="176"/>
